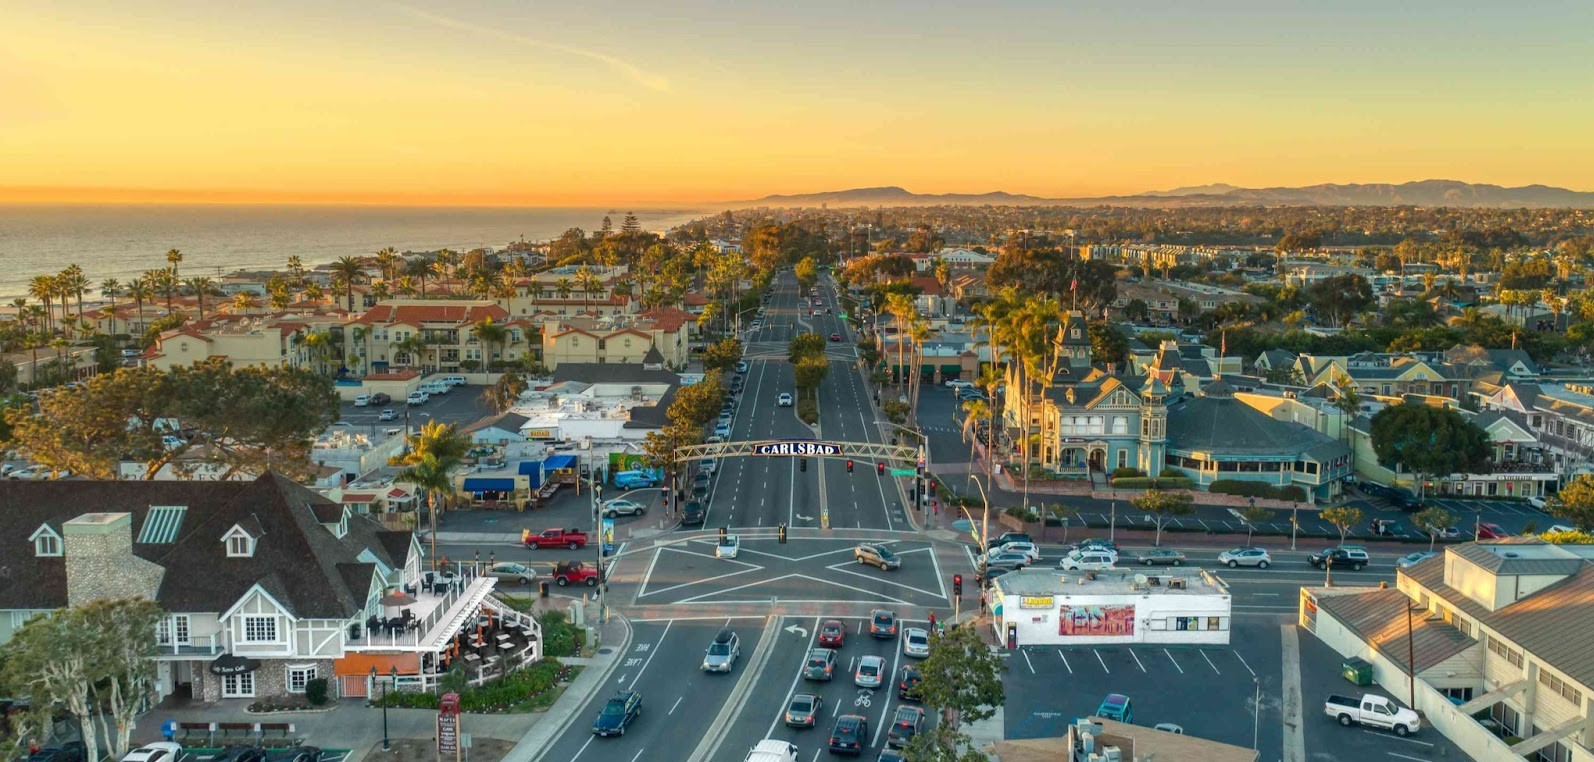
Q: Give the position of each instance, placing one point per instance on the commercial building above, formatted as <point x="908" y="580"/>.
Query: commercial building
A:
<point x="1498" y="636"/>
<point x="1072" y="608"/>
<point x="1098" y="739"/>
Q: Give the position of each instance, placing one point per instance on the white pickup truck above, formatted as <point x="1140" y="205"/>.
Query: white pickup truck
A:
<point x="1373" y="711"/>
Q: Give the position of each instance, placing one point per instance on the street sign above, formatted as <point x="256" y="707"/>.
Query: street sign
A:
<point x="904" y="472"/>
<point x="798" y="447"/>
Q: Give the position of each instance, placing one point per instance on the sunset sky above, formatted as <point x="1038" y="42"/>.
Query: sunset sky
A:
<point x="672" y="101"/>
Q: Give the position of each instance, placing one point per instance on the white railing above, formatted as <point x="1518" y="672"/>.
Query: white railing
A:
<point x="412" y="637"/>
<point x="206" y="645"/>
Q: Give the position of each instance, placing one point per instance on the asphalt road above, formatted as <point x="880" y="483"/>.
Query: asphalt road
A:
<point x="679" y="700"/>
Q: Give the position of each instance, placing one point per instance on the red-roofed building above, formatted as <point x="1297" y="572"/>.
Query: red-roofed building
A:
<point x="656" y="337"/>
<point x="437" y="335"/>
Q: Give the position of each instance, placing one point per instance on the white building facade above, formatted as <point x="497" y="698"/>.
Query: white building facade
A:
<point x="1117" y="606"/>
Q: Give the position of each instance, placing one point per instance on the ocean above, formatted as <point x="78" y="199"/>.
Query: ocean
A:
<point x="123" y="241"/>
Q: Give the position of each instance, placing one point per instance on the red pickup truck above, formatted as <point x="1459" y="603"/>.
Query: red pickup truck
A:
<point x="557" y="538"/>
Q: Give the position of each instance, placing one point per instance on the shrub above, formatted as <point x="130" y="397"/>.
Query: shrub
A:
<point x="1023" y="514"/>
<point x="808" y="410"/>
<point x="559" y="636"/>
<point x="1256" y="489"/>
<point x="1568" y="538"/>
<point x="1126" y="472"/>
<point x="316" y="691"/>
<point x="512" y="692"/>
<point x="896" y="410"/>
<point x="1153" y="482"/>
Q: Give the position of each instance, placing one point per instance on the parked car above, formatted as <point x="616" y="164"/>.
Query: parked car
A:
<point x="970" y="393"/>
<point x="832" y="634"/>
<point x="906" y="724"/>
<point x="1097" y="543"/>
<point x="882" y="624"/>
<point x="71" y="751"/>
<point x="997" y="557"/>
<point x="298" y="754"/>
<point x="1116" y="706"/>
<point x="1168" y="727"/>
<point x="821" y="664"/>
<point x="417" y="398"/>
<point x="387" y="414"/>
<point x="617" y="714"/>
<point x="877" y="555"/>
<point x="622" y="507"/>
<point x="362" y="400"/>
<point x="380" y="399"/>
<point x="1373" y="711"/>
<point x="871" y="672"/>
<point x="635" y="480"/>
<point x="916" y="642"/>
<point x="784" y="400"/>
<point x="1539" y="503"/>
<point x="1412" y="559"/>
<point x="722" y="653"/>
<point x="1257" y="557"/>
<point x="741" y="366"/>
<point x="803" y="710"/>
<point x="509" y="571"/>
<point x="729" y="546"/>
<point x="1087" y="560"/>
<point x="707" y="466"/>
<point x="1165" y="556"/>
<point x="1385" y="528"/>
<point x="163" y="751"/>
<point x="1352" y="556"/>
<point x="692" y="515"/>
<point x="1007" y="537"/>
<point x="958" y="383"/>
<point x="1029" y="550"/>
<point x="850" y="735"/>
<point x="1490" y="531"/>
<point x="722" y="430"/>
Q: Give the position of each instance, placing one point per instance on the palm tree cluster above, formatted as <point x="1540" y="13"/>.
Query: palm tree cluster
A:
<point x="429" y="461"/>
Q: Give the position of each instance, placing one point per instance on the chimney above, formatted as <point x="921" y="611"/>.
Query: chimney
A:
<point x="98" y="548"/>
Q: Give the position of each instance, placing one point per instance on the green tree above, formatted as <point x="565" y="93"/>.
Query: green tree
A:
<point x="961" y="682"/>
<point x="1428" y="440"/>
<point x="1107" y="344"/>
<point x="1164" y="507"/>
<point x="1340" y="298"/>
<point x="805" y="345"/>
<point x="1343" y="517"/>
<point x="1575" y="502"/>
<point x="1252" y="515"/>
<point x="348" y="272"/>
<point x="807" y="272"/>
<point x="506" y="391"/>
<point x="723" y="355"/>
<point x="1433" y="520"/>
<point x="492" y="336"/>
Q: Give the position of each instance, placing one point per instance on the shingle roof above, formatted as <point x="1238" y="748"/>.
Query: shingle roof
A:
<point x="1555" y="624"/>
<point x="1226" y="426"/>
<point x="1379" y="617"/>
<point x="296" y="559"/>
<point x="507" y="420"/>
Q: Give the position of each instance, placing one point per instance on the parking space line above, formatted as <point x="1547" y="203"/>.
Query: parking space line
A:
<point x="1137" y="660"/>
<point x="1103" y="661"/>
<point x="1242" y="663"/>
<point x="1175" y="661"/>
<point x="1027" y="661"/>
<point x="1209" y="662"/>
<point x="1066" y="665"/>
<point x="1397" y="738"/>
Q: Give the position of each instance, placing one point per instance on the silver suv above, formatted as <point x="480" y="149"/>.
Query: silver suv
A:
<point x="722" y="653"/>
<point x="877" y="555"/>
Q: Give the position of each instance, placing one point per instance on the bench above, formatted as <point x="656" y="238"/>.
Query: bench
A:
<point x="190" y="729"/>
<point x="241" y="728"/>
<point x="277" y="734"/>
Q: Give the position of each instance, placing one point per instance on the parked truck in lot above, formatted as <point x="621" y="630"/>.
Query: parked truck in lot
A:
<point x="557" y="538"/>
<point x="1373" y="711"/>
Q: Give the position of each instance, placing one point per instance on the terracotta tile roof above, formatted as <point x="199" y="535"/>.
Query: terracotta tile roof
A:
<point x="667" y="318"/>
<point x="415" y="314"/>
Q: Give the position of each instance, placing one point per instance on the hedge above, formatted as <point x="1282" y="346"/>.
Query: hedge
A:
<point x="518" y="691"/>
<point x="1127" y="472"/>
<point x="1154" y="482"/>
<point x="1256" y="489"/>
<point x="559" y="637"/>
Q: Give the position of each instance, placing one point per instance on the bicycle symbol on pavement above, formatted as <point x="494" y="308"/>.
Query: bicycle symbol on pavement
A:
<point x="865" y="698"/>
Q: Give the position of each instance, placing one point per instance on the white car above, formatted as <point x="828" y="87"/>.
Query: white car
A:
<point x="784" y="400"/>
<point x="871" y="672"/>
<point x="164" y="751"/>
<point x="958" y="383"/>
<point x="1538" y="502"/>
<point x="1236" y="557"/>
<point x="728" y="547"/>
<point x="915" y="642"/>
<point x="363" y="400"/>
<point x="1027" y="549"/>
<point x="623" y="507"/>
<point x="1087" y="560"/>
<point x="417" y="398"/>
<point x="707" y="466"/>
<point x="387" y="414"/>
<point x="1561" y="528"/>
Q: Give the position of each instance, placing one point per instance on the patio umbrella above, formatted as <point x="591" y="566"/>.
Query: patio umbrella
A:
<point x="398" y="598"/>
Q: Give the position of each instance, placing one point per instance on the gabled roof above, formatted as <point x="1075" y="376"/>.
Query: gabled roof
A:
<point x="1222" y="425"/>
<point x="508" y="421"/>
<point x="296" y="559"/>
<point x="1379" y="618"/>
<point x="458" y="313"/>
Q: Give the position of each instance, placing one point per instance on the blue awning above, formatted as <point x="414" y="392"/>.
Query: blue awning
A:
<point x="529" y="467"/>
<point x="483" y="484"/>
<point x="558" y="462"/>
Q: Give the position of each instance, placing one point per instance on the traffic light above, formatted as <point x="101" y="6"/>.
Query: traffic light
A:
<point x="782" y="534"/>
<point x="957" y="586"/>
<point x="802" y="465"/>
<point x="880" y="468"/>
<point x="849" y="466"/>
<point x="723" y="532"/>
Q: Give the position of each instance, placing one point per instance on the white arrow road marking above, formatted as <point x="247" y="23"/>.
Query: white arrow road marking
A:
<point x="799" y="631"/>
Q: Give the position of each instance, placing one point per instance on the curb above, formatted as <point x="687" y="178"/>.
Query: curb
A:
<point x="536" y="742"/>
<point x="723" y="723"/>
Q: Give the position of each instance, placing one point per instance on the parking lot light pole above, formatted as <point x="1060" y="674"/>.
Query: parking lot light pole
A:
<point x="1256" y="716"/>
<point x="1295" y="522"/>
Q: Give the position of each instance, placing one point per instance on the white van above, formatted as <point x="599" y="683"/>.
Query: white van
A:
<point x="772" y="750"/>
<point x="435" y="387"/>
<point x="454" y="380"/>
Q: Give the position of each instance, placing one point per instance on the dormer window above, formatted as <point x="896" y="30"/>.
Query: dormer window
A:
<point x="46" y="543"/>
<point x="240" y="544"/>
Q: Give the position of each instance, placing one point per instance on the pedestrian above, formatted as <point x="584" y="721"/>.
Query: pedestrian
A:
<point x="982" y="604"/>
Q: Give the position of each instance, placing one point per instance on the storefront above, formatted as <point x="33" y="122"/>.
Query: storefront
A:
<point x="1048" y="607"/>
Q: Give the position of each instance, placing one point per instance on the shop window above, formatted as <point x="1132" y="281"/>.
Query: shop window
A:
<point x="299" y="676"/>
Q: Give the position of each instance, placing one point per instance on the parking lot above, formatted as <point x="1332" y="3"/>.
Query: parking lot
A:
<point x="463" y="405"/>
<point x="1210" y="691"/>
<point x="1319" y="678"/>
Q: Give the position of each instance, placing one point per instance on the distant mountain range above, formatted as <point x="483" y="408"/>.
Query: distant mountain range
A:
<point x="1422" y="193"/>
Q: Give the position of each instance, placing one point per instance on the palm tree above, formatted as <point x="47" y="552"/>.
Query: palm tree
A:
<point x="440" y="269"/>
<point x="318" y="343"/>
<point x="166" y="284"/>
<point x="200" y="287"/>
<point x="435" y="477"/>
<point x="280" y="299"/>
<point x="295" y="271"/>
<point x="588" y="282"/>
<point x="419" y="270"/>
<point x="74" y="283"/>
<point x="406" y="285"/>
<point x="387" y="261"/>
<point x="173" y="259"/>
<point x="564" y="287"/>
<point x="245" y="301"/>
<point x="411" y="347"/>
<point x="140" y="292"/>
<point x="42" y="288"/>
<point x="491" y="334"/>
<point x="379" y="291"/>
<point x="447" y="259"/>
<point x="110" y="288"/>
<point x="347" y="272"/>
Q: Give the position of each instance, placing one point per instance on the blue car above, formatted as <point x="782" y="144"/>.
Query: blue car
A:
<point x="617" y="714"/>
<point x="635" y="479"/>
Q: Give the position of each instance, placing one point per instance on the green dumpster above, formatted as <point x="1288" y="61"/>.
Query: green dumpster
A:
<point x="1357" y="671"/>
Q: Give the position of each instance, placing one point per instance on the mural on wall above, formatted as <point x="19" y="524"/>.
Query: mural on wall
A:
<point x="1096" y="620"/>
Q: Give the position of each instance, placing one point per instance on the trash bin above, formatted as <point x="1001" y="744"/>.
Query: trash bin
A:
<point x="542" y="589"/>
<point x="1357" y="671"/>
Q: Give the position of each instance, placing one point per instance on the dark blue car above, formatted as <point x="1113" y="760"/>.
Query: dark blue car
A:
<point x="617" y="714"/>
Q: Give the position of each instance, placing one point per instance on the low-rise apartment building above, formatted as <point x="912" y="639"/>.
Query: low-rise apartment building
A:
<point x="658" y="337"/>
<point x="264" y="341"/>
<point x="437" y="335"/>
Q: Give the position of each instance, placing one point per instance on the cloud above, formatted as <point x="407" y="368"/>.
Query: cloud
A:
<point x="643" y="78"/>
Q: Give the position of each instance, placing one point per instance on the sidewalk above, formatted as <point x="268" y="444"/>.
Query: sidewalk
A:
<point x="614" y="640"/>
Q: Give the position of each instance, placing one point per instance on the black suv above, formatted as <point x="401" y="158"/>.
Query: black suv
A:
<point x="850" y="735"/>
<point x="1344" y="557"/>
<point x="908" y="679"/>
<point x="692" y="515"/>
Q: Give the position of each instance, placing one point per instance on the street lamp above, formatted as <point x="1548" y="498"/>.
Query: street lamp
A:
<point x="1112" y="521"/>
<point x="1256" y="716"/>
<point x="985" y="523"/>
<point x="393" y="674"/>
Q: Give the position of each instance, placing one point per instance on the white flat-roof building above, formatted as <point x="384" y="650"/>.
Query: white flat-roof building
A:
<point x="1069" y="608"/>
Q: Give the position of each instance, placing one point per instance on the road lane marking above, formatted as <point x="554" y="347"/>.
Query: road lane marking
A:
<point x="638" y="754"/>
<point x="1175" y="661"/>
<point x="1066" y="665"/>
<point x="1381" y="734"/>
<point x="677" y="703"/>
<point x="1027" y="661"/>
<point x="780" y="714"/>
<point x="1209" y="662"/>
<point x="1242" y="663"/>
<point x="1101" y="660"/>
<point x="1137" y="660"/>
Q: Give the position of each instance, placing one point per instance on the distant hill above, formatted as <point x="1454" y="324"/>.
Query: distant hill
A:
<point x="1421" y="193"/>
